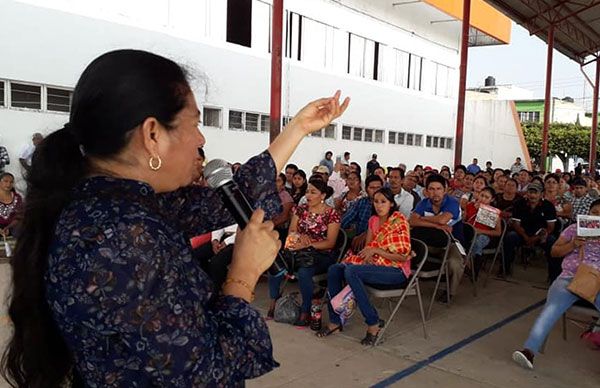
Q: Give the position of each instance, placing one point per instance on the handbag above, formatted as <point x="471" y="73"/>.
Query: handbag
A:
<point x="586" y="282"/>
<point x="299" y="259"/>
<point x="344" y="304"/>
<point x="287" y="308"/>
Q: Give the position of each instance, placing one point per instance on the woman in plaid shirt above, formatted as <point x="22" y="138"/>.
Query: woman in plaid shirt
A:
<point x="385" y="260"/>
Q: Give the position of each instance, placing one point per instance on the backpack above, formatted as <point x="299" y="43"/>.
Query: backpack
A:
<point x="287" y="308"/>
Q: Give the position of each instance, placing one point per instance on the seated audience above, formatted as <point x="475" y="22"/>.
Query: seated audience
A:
<point x="478" y="184"/>
<point x="506" y="200"/>
<point x="552" y="194"/>
<point x="581" y="199"/>
<point x="356" y="220"/>
<point x="290" y="170"/>
<point x="441" y="211"/>
<point x="385" y="260"/>
<point x="403" y="198"/>
<point x="282" y="220"/>
<point x="409" y="184"/>
<point x="465" y="189"/>
<point x="524" y="179"/>
<point x="299" y="186"/>
<point x="484" y="232"/>
<point x="316" y="227"/>
<point x="352" y="195"/>
<point x="533" y="221"/>
<point x="11" y="206"/>
<point x="576" y="251"/>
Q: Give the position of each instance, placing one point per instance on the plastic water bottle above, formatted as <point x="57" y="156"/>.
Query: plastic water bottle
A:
<point x="315" y="316"/>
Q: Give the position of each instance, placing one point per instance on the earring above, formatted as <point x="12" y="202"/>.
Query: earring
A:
<point x="151" y="163"/>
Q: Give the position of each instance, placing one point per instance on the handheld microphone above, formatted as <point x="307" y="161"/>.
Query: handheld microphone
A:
<point x="219" y="177"/>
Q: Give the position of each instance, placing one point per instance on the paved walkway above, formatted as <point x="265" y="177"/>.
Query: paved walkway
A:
<point x="469" y="345"/>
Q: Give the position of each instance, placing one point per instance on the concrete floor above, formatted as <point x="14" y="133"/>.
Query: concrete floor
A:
<point x="341" y="361"/>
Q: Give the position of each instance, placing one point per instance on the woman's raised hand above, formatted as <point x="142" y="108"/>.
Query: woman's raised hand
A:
<point x="319" y="113"/>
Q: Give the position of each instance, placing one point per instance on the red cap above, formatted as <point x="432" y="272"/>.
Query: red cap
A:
<point x="428" y="168"/>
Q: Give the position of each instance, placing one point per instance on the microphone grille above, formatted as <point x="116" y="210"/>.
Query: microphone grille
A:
<point x="217" y="172"/>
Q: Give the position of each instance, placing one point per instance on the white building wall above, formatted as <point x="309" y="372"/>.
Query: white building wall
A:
<point x="491" y="133"/>
<point x="50" y="46"/>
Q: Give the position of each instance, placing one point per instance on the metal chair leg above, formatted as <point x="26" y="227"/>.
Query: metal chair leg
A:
<point x="421" y="309"/>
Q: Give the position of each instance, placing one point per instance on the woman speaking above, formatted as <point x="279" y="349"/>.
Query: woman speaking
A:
<point x="105" y="291"/>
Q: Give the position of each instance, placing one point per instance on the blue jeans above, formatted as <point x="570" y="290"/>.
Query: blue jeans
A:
<point x="513" y="240"/>
<point x="304" y="275"/>
<point x="481" y="242"/>
<point x="558" y="302"/>
<point x="356" y="276"/>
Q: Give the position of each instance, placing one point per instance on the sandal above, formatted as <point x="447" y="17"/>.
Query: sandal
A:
<point x="326" y="331"/>
<point x="369" y="339"/>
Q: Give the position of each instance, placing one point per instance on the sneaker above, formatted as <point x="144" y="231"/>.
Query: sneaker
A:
<point x="524" y="358"/>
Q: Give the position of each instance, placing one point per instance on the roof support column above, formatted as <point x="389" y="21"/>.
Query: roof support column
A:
<point x="276" y="58"/>
<point x="464" y="56"/>
<point x="594" y="131"/>
<point x="548" y="99"/>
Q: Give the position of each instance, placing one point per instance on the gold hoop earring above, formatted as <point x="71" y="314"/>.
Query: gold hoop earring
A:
<point x="151" y="163"/>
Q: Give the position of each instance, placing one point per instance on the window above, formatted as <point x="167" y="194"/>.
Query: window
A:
<point x="442" y="78"/>
<point x="293" y="38"/>
<point x="428" y="142"/>
<point x="401" y="137"/>
<point x="346" y="132"/>
<point x="361" y="59"/>
<point x="318" y="133"/>
<point x="265" y="123"/>
<point x="368" y="135"/>
<point x="239" y="22"/>
<point x="211" y="117"/>
<point x="25" y="96"/>
<point x="357" y="135"/>
<point x="315" y="35"/>
<point x="379" y="136"/>
<point x="409" y="139"/>
<point x="449" y="144"/>
<point x="286" y="120"/>
<point x="235" y="120"/>
<point x="532" y="117"/>
<point x="252" y="122"/>
<point x="58" y="100"/>
<point x="392" y="137"/>
<point x="261" y="26"/>
<point x="2" y="93"/>
<point x="442" y="142"/>
<point x="330" y="131"/>
<point x="415" y="68"/>
<point x="419" y="140"/>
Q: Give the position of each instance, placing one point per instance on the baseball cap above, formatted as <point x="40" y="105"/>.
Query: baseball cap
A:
<point x="322" y="170"/>
<point x="535" y="186"/>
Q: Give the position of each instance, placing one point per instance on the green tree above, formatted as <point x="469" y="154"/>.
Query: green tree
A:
<point x="564" y="140"/>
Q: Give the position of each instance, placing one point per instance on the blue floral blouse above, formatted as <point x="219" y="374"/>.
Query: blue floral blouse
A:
<point x="133" y="306"/>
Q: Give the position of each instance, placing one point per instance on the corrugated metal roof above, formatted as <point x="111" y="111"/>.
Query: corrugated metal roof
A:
<point x="576" y="23"/>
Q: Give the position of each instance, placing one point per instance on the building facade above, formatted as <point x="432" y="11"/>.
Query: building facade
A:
<point x="399" y="63"/>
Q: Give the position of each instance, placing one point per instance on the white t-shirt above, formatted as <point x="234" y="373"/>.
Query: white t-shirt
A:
<point x="26" y="153"/>
<point x="405" y="202"/>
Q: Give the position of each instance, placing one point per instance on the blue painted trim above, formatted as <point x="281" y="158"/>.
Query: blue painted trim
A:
<point x="453" y="348"/>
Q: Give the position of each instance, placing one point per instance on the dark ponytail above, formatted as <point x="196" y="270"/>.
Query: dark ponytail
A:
<point x="115" y="94"/>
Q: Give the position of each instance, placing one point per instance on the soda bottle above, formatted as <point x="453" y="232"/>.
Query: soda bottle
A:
<point x="315" y="316"/>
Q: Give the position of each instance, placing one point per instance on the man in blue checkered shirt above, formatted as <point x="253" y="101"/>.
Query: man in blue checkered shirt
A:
<point x="357" y="216"/>
<point x="580" y="199"/>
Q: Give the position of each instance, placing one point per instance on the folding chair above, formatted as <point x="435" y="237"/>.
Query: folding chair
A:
<point x="435" y="266"/>
<point x="341" y="244"/>
<point x="411" y="287"/>
<point x="581" y="307"/>
<point x="496" y="248"/>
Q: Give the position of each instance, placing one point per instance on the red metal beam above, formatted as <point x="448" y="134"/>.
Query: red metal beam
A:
<point x="276" y="58"/>
<point x="548" y="98"/>
<point x="594" y="134"/>
<point x="464" y="56"/>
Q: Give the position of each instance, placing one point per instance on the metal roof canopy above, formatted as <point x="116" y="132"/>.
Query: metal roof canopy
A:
<point x="576" y="23"/>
